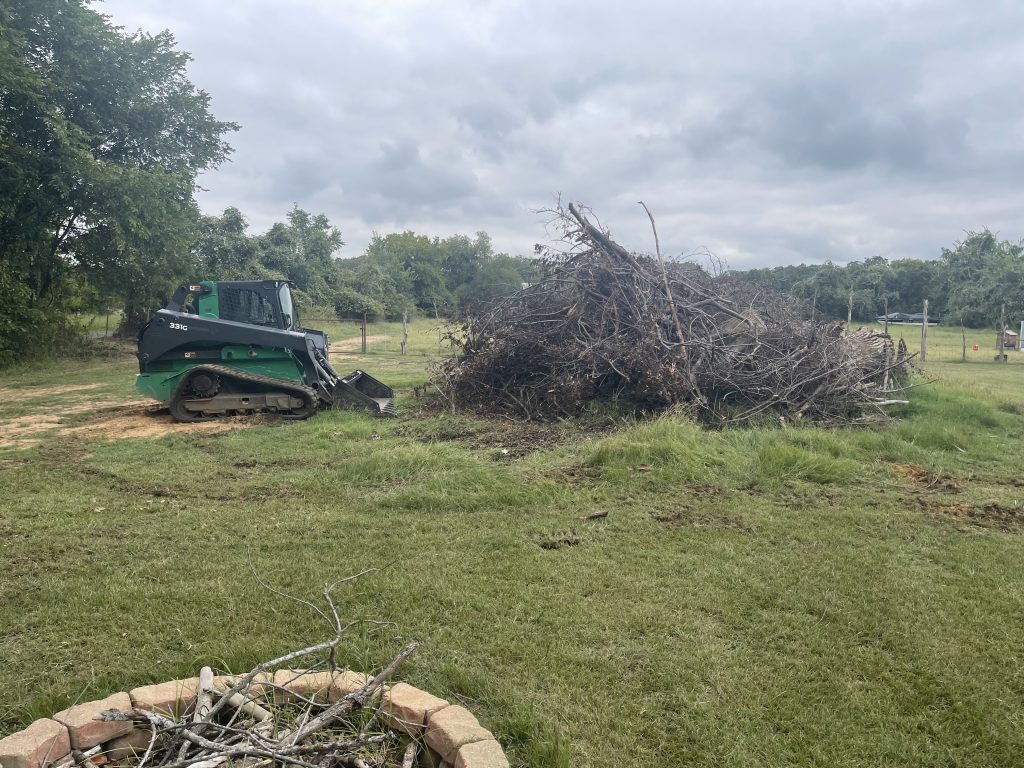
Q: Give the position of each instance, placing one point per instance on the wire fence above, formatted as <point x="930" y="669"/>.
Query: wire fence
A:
<point x="427" y="338"/>
<point x="422" y="337"/>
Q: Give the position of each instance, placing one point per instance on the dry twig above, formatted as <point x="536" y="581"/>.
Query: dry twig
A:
<point x="605" y="324"/>
<point x="230" y="727"/>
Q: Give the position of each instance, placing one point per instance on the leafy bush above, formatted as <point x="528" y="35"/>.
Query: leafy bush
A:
<point x="352" y="304"/>
<point x="29" y="328"/>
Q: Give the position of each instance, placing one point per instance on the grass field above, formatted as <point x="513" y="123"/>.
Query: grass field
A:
<point x="786" y="596"/>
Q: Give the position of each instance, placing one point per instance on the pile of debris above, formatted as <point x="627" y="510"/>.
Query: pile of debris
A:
<point x="606" y="324"/>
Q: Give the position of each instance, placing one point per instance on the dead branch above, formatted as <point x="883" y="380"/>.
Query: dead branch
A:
<point x="607" y="325"/>
<point x="230" y="728"/>
<point x="410" y="755"/>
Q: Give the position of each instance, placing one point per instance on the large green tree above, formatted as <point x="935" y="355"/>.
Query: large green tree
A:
<point x="224" y="250"/>
<point x="405" y="270"/>
<point x="913" y="281"/>
<point x="437" y="276"/>
<point x="101" y="138"/>
<point x="303" y="250"/>
<point x="300" y="249"/>
<point x="495" y="278"/>
<point x="981" y="275"/>
<point x="826" y="290"/>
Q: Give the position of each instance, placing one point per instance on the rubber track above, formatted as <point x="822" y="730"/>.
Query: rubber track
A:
<point x="284" y="384"/>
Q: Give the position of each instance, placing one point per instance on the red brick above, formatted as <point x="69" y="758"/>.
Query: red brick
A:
<point x="321" y="687"/>
<point x="257" y="691"/>
<point x="129" y="746"/>
<point x="85" y="731"/>
<point x="174" y="699"/>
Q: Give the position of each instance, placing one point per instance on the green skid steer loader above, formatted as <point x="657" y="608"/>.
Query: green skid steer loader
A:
<point x="236" y="348"/>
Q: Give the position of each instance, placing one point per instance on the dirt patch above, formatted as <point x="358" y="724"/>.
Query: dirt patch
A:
<point x="147" y="420"/>
<point x="991" y="515"/>
<point x="20" y="393"/>
<point x="111" y="420"/>
<point x="1000" y="516"/>
<point x="355" y="344"/>
<point x="19" y="432"/>
<point x="691" y="518"/>
<point x="925" y="480"/>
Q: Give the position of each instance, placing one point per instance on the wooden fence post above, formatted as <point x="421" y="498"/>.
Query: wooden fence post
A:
<point x="1002" y="334"/>
<point x="405" y="331"/>
<point x="924" y="332"/>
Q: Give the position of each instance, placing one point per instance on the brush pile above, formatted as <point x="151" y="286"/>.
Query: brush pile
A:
<point x="606" y="324"/>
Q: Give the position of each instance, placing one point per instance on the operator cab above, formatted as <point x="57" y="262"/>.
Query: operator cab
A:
<point x="266" y="303"/>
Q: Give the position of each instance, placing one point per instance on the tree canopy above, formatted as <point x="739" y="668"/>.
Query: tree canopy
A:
<point x="969" y="282"/>
<point x="301" y="249"/>
<point x="398" y="273"/>
<point x="437" y="276"/>
<point x="101" y="138"/>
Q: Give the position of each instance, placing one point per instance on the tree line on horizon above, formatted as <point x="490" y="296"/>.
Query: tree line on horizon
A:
<point x="402" y="273"/>
<point x="102" y="138"/>
<point x="969" y="283"/>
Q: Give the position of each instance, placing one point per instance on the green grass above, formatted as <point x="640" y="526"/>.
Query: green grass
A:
<point x="946" y="343"/>
<point x="756" y="596"/>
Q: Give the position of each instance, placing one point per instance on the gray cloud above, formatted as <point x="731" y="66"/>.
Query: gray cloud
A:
<point x="768" y="133"/>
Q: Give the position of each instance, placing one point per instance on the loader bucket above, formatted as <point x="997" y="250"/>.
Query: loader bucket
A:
<point x="361" y="390"/>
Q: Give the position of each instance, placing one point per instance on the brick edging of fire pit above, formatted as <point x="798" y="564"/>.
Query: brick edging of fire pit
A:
<point x="451" y="737"/>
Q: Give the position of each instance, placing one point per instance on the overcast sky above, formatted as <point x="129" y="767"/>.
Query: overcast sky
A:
<point x="767" y="132"/>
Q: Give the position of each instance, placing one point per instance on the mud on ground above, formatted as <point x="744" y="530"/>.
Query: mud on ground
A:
<point x="929" y="487"/>
<point x="1001" y="517"/>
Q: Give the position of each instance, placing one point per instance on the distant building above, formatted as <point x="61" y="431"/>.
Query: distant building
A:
<point x="905" y="318"/>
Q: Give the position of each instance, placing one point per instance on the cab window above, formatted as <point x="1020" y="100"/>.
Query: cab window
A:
<point x="289" y="313"/>
<point x="244" y="305"/>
